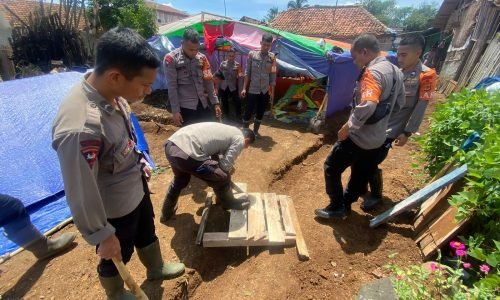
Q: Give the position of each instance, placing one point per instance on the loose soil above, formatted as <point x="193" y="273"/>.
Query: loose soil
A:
<point x="345" y="254"/>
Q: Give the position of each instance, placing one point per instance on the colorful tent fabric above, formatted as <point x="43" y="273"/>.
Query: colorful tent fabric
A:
<point x="293" y="50"/>
<point x="297" y="55"/>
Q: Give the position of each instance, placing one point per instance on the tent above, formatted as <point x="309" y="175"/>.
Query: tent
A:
<point x="30" y="169"/>
<point x="296" y="55"/>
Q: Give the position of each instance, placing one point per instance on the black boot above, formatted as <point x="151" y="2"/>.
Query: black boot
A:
<point x="169" y="206"/>
<point x="375" y="197"/>
<point x="335" y="210"/>
<point x="256" y="126"/>
<point x="226" y="197"/>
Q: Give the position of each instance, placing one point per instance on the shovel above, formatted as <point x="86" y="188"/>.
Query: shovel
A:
<point x="319" y="120"/>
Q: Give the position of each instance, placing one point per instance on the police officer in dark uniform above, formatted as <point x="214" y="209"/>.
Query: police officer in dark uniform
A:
<point x="260" y="80"/>
<point x="190" y="83"/>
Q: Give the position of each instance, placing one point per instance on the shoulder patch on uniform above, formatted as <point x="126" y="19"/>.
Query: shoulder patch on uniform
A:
<point x="427" y="85"/>
<point x="168" y="58"/>
<point x="90" y="151"/>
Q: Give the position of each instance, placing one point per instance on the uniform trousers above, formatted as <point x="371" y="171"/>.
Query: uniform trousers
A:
<point x="343" y="155"/>
<point x="137" y="229"/>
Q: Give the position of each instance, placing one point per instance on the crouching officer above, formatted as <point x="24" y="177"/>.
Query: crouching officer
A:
<point x="191" y="151"/>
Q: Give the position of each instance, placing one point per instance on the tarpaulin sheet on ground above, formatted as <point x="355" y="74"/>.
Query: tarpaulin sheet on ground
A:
<point x="30" y="168"/>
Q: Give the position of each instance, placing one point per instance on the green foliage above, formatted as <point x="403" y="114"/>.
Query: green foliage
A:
<point x="453" y="121"/>
<point x="420" y="18"/>
<point x="384" y="10"/>
<point x="297" y="4"/>
<point x="271" y="14"/>
<point x="445" y="281"/>
<point x="480" y="198"/>
<point x="407" y="18"/>
<point x="486" y="255"/>
<point x="128" y="13"/>
<point x="140" y="18"/>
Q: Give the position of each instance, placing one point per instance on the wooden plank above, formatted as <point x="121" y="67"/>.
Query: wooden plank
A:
<point x="419" y="197"/>
<point x="442" y="230"/>
<point x="221" y="239"/>
<point x="252" y="217"/>
<point x="241" y="185"/>
<point x="435" y="207"/>
<point x="285" y="215"/>
<point x="238" y="224"/>
<point x="302" y="251"/>
<point x="204" y="217"/>
<point x="273" y="218"/>
<point x="256" y="217"/>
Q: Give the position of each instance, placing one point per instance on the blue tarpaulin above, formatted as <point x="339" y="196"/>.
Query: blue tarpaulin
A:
<point x="486" y="82"/>
<point x="30" y="168"/>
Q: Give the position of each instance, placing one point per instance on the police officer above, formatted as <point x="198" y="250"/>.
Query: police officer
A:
<point x="190" y="82"/>
<point x="228" y="88"/>
<point x="260" y="80"/>
<point x="420" y="83"/>
<point x="379" y="87"/>
<point x="190" y="151"/>
<point x="104" y="177"/>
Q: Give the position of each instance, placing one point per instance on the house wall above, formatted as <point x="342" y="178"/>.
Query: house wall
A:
<point x="163" y="18"/>
<point x="7" y="70"/>
<point x="461" y="23"/>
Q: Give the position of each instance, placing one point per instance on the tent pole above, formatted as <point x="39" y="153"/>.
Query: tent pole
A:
<point x="50" y="232"/>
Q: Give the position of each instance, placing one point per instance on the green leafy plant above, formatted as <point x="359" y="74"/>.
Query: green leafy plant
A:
<point x="443" y="281"/>
<point x="453" y="121"/>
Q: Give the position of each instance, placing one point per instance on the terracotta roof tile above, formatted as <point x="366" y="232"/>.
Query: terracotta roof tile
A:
<point x="23" y="8"/>
<point x="342" y="22"/>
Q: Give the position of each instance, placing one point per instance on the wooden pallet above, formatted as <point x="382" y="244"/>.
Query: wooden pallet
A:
<point x="271" y="220"/>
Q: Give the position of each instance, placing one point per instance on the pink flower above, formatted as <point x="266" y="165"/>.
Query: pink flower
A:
<point x="461" y="252"/>
<point x="485" y="269"/>
<point x="466" y="265"/>
<point x="435" y="267"/>
<point x="457" y="245"/>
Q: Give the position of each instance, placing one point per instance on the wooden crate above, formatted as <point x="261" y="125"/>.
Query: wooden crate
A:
<point x="271" y="220"/>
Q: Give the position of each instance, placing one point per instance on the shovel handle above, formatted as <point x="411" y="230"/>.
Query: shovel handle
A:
<point x="129" y="280"/>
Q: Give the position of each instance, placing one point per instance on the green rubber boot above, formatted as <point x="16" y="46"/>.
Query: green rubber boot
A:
<point x="150" y="257"/>
<point x="113" y="286"/>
